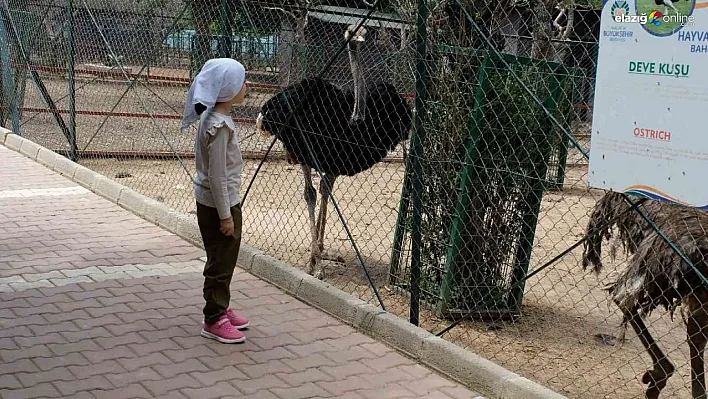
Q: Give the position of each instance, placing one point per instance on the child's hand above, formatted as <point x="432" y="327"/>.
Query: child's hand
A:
<point x="227" y="226"/>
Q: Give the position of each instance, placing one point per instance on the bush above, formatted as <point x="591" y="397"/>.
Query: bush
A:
<point x="477" y="243"/>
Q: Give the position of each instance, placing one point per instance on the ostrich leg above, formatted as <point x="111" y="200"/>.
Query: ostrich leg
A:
<point x="311" y="199"/>
<point x="663" y="367"/>
<point x="697" y="330"/>
<point x="326" y="187"/>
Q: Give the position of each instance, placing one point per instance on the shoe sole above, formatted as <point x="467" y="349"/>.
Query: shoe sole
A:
<point x="243" y="327"/>
<point x="209" y="335"/>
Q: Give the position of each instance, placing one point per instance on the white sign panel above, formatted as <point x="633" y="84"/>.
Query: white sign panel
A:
<point x="651" y="96"/>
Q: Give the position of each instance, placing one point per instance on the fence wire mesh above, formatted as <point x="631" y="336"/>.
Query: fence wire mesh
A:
<point x="502" y="94"/>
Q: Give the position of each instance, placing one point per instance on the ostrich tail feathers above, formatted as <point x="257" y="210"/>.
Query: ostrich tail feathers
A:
<point x="592" y="258"/>
<point x="603" y="220"/>
<point x="592" y="253"/>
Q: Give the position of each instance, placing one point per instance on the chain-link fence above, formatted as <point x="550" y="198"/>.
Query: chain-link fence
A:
<point x="467" y="216"/>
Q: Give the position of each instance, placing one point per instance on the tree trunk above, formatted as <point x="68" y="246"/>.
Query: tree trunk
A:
<point x="300" y="48"/>
<point x="542" y="31"/>
<point x="285" y="51"/>
<point x="203" y="14"/>
<point x="291" y="49"/>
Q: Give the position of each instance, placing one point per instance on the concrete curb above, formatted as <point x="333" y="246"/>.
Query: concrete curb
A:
<point x="474" y="371"/>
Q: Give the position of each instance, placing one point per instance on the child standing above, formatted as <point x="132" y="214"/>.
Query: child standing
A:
<point x="220" y="84"/>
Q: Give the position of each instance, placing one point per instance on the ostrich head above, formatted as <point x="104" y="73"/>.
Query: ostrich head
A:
<point x="259" y="126"/>
<point x="358" y="34"/>
<point x="357" y="38"/>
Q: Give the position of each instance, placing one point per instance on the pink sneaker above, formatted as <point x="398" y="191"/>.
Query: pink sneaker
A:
<point x="223" y="332"/>
<point x="237" y="321"/>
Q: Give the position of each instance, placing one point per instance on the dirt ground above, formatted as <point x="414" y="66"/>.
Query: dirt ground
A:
<point x="557" y="342"/>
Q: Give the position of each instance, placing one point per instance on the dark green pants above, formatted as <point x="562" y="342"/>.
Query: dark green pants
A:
<point x="222" y="252"/>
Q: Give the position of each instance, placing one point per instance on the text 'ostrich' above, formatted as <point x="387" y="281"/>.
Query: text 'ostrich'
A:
<point x="346" y="132"/>
<point x="657" y="276"/>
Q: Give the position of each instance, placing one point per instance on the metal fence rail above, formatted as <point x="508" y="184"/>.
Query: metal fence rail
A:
<point x="473" y="227"/>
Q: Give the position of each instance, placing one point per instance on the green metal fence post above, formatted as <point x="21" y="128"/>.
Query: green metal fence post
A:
<point x="72" y="88"/>
<point x="416" y="155"/>
<point x="225" y="27"/>
<point x="7" y="26"/>
<point x="464" y="192"/>
<point x="400" y="232"/>
<point x="28" y="28"/>
<point x="533" y="198"/>
<point x="8" y="79"/>
<point x="564" y="142"/>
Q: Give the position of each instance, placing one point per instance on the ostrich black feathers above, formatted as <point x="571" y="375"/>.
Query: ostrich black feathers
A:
<point x="339" y="146"/>
<point x="387" y="122"/>
<point x="321" y="110"/>
<point x="336" y="132"/>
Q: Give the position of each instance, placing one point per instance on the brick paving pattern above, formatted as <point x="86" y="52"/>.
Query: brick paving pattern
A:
<point x="95" y="302"/>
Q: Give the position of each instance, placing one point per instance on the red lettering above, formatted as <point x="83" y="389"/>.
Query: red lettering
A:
<point x="663" y="135"/>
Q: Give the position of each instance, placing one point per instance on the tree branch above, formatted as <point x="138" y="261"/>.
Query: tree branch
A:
<point x="284" y="11"/>
<point x="556" y="24"/>
<point x="570" y="23"/>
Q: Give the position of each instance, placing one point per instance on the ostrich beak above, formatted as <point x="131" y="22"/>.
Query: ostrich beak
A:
<point x="259" y="126"/>
<point x="359" y="34"/>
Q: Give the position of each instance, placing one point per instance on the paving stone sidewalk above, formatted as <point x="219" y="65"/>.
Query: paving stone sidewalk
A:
<point x="95" y="302"/>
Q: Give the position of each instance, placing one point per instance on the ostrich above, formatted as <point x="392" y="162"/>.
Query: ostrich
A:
<point x="346" y="132"/>
<point x="667" y="4"/>
<point x="657" y="276"/>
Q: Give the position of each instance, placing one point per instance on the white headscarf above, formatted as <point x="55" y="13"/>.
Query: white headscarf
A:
<point x="220" y="79"/>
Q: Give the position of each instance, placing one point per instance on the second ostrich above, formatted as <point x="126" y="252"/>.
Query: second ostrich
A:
<point x="657" y="276"/>
<point x="335" y="132"/>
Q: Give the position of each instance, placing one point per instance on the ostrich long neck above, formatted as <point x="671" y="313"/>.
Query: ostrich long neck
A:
<point x="359" y="85"/>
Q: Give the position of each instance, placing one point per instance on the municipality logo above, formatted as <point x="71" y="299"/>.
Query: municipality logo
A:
<point x="620" y="8"/>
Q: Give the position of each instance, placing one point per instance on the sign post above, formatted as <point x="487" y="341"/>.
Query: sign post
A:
<point x="651" y="96"/>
